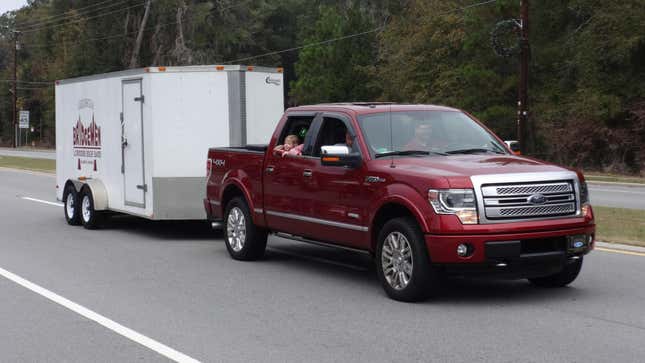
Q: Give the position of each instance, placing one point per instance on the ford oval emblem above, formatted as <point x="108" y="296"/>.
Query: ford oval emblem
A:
<point x="537" y="199"/>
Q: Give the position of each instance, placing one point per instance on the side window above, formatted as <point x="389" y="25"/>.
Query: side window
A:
<point x="299" y="127"/>
<point x="333" y="132"/>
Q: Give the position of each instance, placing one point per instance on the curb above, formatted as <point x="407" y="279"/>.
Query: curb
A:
<point x="642" y="185"/>
<point x="620" y="247"/>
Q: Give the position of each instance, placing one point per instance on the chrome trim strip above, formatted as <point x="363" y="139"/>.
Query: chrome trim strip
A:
<point x="214" y="202"/>
<point x="319" y="221"/>
<point x="258" y="210"/>
<point x="551" y="176"/>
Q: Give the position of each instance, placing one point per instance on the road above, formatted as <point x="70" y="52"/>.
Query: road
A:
<point x="35" y="154"/>
<point x="174" y="283"/>
<point x="617" y="195"/>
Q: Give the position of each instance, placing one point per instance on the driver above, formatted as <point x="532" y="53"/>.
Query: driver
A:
<point x="422" y="139"/>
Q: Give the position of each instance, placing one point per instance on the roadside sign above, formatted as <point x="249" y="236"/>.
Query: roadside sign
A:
<point x="24" y="120"/>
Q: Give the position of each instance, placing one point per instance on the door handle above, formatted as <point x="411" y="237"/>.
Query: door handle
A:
<point x="270" y="169"/>
<point x="307" y="173"/>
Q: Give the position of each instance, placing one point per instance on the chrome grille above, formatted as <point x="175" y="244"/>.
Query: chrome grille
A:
<point x="529" y="200"/>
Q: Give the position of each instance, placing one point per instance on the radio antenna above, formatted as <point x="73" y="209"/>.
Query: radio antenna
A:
<point x="391" y="137"/>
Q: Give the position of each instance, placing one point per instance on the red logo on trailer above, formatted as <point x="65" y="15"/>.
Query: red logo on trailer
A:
<point x="86" y="139"/>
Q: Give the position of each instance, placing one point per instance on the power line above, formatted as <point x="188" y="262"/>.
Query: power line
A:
<point x="108" y="37"/>
<point x="347" y="36"/>
<point x="84" y="19"/>
<point x="123" y="35"/>
<point x="25" y="82"/>
<point x="69" y="14"/>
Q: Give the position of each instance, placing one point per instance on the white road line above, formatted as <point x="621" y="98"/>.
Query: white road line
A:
<point x="41" y="201"/>
<point x="110" y="324"/>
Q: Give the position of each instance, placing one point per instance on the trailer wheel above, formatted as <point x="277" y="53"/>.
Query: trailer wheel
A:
<point x="244" y="240"/>
<point x="563" y="278"/>
<point x="402" y="261"/>
<point x="70" y="202"/>
<point x="90" y="218"/>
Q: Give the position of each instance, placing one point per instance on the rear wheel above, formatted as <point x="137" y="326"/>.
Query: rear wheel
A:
<point x="70" y="201"/>
<point x="563" y="278"/>
<point x="244" y="240"/>
<point x="90" y="218"/>
<point x="402" y="261"/>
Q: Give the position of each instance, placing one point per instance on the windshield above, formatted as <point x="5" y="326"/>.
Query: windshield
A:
<point x="426" y="133"/>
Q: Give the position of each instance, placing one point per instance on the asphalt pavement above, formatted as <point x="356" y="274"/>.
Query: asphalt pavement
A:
<point x="617" y="195"/>
<point x="175" y="284"/>
<point x="29" y="153"/>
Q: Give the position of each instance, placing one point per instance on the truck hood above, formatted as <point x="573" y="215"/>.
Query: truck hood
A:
<point x="457" y="169"/>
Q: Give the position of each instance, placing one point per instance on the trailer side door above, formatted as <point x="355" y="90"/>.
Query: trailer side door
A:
<point x="132" y="144"/>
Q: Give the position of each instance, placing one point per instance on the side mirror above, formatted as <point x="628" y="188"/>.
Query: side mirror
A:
<point x="339" y="156"/>
<point x="514" y="146"/>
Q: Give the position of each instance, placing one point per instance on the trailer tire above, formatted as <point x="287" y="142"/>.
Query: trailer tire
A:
<point x="244" y="240"/>
<point x="561" y="279"/>
<point x="402" y="261"/>
<point x="90" y="218"/>
<point x="70" y="206"/>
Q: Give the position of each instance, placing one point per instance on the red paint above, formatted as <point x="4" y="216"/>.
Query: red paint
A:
<point x="342" y="195"/>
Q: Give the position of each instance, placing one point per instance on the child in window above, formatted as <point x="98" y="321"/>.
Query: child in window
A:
<point x="290" y="147"/>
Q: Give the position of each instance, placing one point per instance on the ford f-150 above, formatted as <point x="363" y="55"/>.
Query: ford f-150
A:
<point x="426" y="190"/>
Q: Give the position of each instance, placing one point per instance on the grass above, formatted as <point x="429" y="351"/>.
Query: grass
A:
<point x="42" y="165"/>
<point x="614" y="178"/>
<point x="620" y="225"/>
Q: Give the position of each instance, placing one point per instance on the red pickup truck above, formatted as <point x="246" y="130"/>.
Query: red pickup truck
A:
<point x="426" y="190"/>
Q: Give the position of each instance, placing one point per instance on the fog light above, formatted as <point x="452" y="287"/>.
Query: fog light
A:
<point x="464" y="250"/>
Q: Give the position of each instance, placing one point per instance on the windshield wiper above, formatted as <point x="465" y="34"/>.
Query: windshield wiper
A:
<point x="473" y="151"/>
<point x="407" y="152"/>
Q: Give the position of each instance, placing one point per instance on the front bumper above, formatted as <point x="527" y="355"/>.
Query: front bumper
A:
<point x="526" y="254"/>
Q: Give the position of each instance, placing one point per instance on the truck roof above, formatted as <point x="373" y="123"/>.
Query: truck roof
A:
<point x="371" y="107"/>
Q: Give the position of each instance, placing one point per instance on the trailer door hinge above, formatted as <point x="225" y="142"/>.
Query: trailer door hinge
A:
<point x="143" y="187"/>
<point x="140" y="99"/>
<point x="121" y="117"/>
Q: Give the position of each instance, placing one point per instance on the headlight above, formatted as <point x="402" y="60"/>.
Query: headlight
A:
<point x="459" y="202"/>
<point x="584" y="193"/>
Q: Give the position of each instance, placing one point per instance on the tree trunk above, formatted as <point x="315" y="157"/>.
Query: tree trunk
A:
<point x="134" y="61"/>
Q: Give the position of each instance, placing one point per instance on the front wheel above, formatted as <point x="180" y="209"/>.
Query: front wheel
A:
<point x="70" y="206"/>
<point x="563" y="278"/>
<point x="90" y="218"/>
<point x="402" y="261"/>
<point x="244" y="240"/>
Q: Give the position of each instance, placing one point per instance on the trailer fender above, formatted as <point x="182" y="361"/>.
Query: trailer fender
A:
<point x="98" y="192"/>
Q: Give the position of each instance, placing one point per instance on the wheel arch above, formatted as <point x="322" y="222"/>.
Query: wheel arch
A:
<point x="98" y="190"/>
<point x="390" y="209"/>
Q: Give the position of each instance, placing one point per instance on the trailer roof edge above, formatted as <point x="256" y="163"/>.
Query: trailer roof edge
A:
<point x="177" y="69"/>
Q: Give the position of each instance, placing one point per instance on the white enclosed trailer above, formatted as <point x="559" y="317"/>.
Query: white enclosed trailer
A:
<point x="136" y="141"/>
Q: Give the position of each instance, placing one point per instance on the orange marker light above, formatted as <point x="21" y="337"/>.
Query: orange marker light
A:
<point x="280" y="70"/>
<point x="250" y="68"/>
<point x="220" y="68"/>
<point x="331" y="158"/>
<point x="162" y="69"/>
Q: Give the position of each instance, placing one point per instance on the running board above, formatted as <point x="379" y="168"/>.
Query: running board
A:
<point x="319" y="243"/>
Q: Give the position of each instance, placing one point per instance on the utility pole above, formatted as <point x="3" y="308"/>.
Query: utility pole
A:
<point x="15" y="89"/>
<point x="523" y="126"/>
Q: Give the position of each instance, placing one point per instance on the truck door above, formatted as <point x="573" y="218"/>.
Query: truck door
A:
<point x="287" y="193"/>
<point x="340" y="198"/>
<point x="132" y="144"/>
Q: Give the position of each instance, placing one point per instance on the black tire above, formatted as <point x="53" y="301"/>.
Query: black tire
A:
<point x="71" y="210"/>
<point x="423" y="278"/>
<point x="245" y="242"/>
<point x="90" y="218"/>
<point x="563" y="278"/>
